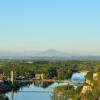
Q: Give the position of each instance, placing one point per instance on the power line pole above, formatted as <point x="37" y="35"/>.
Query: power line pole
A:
<point x="12" y="76"/>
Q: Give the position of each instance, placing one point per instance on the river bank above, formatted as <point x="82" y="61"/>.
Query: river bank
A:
<point x="8" y="86"/>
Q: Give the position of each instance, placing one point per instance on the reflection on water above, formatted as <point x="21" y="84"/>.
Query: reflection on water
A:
<point x="12" y="95"/>
<point x="37" y="90"/>
<point x="44" y="90"/>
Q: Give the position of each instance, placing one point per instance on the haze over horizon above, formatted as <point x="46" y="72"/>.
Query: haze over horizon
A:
<point x="38" y="25"/>
<point x="45" y="53"/>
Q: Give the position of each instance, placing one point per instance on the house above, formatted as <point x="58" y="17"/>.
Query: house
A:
<point x="95" y="76"/>
<point x="86" y="88"/>
<point x="39" y="76"/>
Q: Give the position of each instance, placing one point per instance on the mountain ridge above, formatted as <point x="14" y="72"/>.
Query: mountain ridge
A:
<point x="46" y="53"/>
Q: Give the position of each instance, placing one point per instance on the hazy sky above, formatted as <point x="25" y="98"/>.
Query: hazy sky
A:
<point x="66" y="25"/>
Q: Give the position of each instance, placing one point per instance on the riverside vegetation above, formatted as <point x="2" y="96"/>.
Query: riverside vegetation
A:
<point x="58" y="70"/>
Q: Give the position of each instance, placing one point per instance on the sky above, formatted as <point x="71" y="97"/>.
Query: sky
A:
<point x="37" y="25"/>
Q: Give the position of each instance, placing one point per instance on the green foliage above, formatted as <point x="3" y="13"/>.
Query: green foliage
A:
<point x="89" y="76"/>
<point x="56" y="70"/>
<point x="50" y="69"/>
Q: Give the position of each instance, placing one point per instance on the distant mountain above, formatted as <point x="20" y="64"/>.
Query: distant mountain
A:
<point x="53" y="53"/>
<point x="46" y="55"/>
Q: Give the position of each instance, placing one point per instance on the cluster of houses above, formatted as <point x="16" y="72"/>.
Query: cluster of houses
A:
<point x="88" y="85"/>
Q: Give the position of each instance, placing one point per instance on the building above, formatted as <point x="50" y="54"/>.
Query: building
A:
<point x="86" y="88"/>
<point x="95" y="76"/>
<point x="39" y="76"/>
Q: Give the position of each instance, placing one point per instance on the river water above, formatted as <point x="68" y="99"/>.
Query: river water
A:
<point x="34" y="92"/>
<point x="38" y="90"/>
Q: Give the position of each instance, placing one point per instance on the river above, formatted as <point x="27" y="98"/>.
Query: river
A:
<point x="38" y="90"/>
